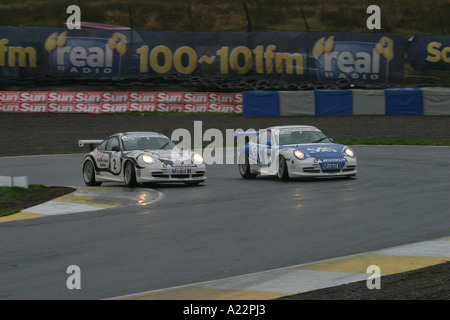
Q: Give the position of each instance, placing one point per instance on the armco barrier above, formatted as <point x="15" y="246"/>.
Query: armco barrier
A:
<point x="404" y="101"/>
<point x="260" y="103"/>
<point x="107" y="102"/>
<point x="297" y="103"/>
<point x="436" y="101"/>
<point x="368" y="102"/>
<point x="426" y="101"/>
<point x="333" y="102"/>
<point x="422" y="101"/>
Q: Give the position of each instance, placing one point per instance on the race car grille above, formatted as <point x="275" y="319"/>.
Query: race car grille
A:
<point x="317" y="170"/>
<point x="331" y="171"/>
<point x="311" y="170"/>
<point x="196" y="175"/>
<point x="178" y="176"/>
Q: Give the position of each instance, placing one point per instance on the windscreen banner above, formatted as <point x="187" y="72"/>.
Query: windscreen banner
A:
<point x="295" y="56"/>
<point x="429" y="52"/>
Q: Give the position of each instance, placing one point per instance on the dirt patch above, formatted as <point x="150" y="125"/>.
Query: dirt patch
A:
<point x="431" y="283"/>
<point x="34" y="196"/>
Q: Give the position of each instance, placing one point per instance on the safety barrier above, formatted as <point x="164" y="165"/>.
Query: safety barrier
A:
<point x="418" y="101"/>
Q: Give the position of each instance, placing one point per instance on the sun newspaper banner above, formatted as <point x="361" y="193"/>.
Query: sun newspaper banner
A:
<point x="110" y="102"/>
<point x="429" y="52"/>
<point x="292" y="56"/>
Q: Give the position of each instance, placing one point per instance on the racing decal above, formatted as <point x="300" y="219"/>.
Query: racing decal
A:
<point x="259" y="154"/>
<point x="331" y="166"/>
<point x="181" y="165"/>
<point x="101" y="159"/>
<point x="181" y="171"/>
<point x="331" y="159"/>
<point x="116" y="162"/>
<point x="321" y="149"/>
<point x="107" y="162"/>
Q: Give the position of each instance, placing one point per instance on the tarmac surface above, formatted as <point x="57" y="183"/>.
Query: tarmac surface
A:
<point x="31" y="134"/>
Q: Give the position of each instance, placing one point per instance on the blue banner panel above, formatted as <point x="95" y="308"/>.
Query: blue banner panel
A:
<point x="404" y="101"/>
<point x="429" y="52"/>
<point x="260" y="103"/>
<point x="333" y="102"/>
<point x="291" y="56"/>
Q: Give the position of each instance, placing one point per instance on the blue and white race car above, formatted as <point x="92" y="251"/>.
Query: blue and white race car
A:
<point x="140" y="157"/>
<point x="294" y="152"/>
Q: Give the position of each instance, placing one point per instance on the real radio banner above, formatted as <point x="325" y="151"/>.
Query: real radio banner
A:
<point x="296" y="56"/>
<point x="429" y="52"/>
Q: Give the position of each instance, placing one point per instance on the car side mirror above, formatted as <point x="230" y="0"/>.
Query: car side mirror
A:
<point x="269" y="143"/>
<point x="331" y="139"/>
<point x="115" y="148"/>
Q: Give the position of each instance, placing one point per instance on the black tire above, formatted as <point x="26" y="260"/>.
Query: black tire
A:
<point x="282" y="172"/>
<point x="244" y="169"/>
<point x="89" y="174"/>
<point x="129" y="174"/>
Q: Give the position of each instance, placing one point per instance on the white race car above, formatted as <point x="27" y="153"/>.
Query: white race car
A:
<point x="294" y="152"/>
<point x="140" y="157"/>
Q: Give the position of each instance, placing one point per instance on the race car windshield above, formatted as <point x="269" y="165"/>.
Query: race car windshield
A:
<point x="147" y="143"/>
<point x="301" y="137"/>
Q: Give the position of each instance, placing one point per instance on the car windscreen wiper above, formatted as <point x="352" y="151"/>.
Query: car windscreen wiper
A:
<point x="317" y="141"/>
<point x="165" y="144"/>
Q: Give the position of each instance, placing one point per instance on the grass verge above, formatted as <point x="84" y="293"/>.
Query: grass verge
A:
<point x="16" y="199"/>
<point x="389" y="141"/>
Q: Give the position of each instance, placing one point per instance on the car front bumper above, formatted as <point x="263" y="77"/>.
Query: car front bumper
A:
<point x="167" y="174"/>
<point x="316" y="168"/>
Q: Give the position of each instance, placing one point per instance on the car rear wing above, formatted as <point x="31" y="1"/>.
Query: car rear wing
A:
<point x="245" y="133"/>
<point x="91" y="143"/>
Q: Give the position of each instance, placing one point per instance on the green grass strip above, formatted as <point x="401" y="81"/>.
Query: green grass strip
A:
<point x="389" y="141"/>
<point x="11" y="198"/>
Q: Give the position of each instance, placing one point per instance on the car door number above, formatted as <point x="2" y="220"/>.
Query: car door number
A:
<point x="115" y="162"/>
<point x="260" y="154"/>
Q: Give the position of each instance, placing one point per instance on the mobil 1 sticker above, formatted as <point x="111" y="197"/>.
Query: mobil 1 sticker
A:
<point x="181" y="171"/>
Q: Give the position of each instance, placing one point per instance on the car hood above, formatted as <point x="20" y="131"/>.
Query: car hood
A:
<point x="319" y="150"/>
<point x="166" y="155"/>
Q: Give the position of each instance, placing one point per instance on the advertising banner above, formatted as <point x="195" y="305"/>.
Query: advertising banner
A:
<point x="429" y="52"/>
<point x="295" y="56"/>
<point x="111" y="102"/>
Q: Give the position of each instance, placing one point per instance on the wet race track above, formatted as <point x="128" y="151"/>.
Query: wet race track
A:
<point x="227" y="227"/>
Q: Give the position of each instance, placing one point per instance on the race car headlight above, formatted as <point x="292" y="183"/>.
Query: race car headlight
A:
<point x="147" y="159"/>
<point x="197" y="158"/>
<point x="349" y="152"/>
<point x="299" y="155"/>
